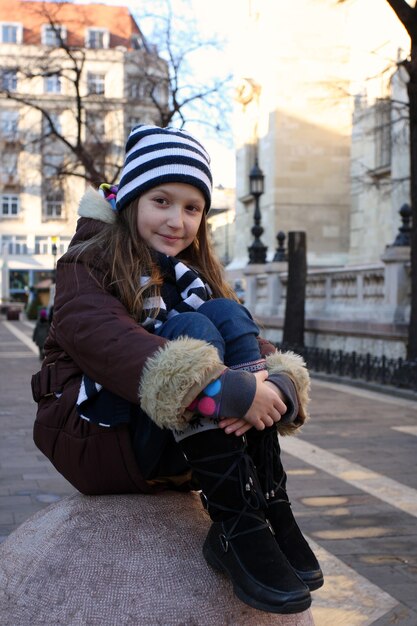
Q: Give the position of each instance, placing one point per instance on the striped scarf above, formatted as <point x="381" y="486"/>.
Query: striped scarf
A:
<point x="182" y="291"/>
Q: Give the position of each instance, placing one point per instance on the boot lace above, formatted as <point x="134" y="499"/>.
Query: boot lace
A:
<point x="267" y="452"/>
<point x="241" y="471"/>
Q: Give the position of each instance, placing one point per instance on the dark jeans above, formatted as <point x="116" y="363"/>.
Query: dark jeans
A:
<point x="226" y="325"/>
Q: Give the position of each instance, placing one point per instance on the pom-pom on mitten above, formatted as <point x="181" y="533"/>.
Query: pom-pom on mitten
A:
<point x="230" y="395"/>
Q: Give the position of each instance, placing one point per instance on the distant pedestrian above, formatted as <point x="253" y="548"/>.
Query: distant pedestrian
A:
<point x="41" y="330"/>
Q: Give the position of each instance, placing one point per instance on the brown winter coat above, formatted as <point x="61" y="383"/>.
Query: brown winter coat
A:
<point x="92" y="333"/>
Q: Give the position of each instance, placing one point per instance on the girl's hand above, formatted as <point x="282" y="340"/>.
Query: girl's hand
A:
<point x="234" y="425"/>
<point x="267" y="406"/>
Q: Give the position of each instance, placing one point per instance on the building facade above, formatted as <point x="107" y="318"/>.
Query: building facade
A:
<point x="327" y="120"/>
<point x="221" y="219"/>
<point x="74" y="79"/>
<point x="319" y="117"/>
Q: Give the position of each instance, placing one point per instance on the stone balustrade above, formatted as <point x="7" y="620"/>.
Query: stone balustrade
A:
<point x="363" y="308"/>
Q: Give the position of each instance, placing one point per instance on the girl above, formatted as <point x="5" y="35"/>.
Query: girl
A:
<point x="155" y="376"/>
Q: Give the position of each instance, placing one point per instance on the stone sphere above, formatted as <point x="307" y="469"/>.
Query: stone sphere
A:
<point x="120" y="560"/>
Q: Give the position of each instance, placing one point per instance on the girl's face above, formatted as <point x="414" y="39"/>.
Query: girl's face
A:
<point x="169" y="217"/>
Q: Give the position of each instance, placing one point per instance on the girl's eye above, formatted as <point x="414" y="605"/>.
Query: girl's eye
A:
<point x="160" y="200"/>
<point x="194" y="209"/>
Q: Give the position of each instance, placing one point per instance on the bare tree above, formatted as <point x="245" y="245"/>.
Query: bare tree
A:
<point x="82" y="152"/>
<point x="408" y="17"/>
<point x="191" y="96"/>
<point x="160" y="88"/>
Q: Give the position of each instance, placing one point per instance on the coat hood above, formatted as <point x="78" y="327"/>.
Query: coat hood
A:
<point x="94" y="206"/>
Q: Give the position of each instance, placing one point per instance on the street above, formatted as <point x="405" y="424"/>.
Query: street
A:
<point x="352" y="480"/>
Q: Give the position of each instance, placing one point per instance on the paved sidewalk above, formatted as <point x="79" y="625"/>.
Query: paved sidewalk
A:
<point x="352" y="479"/>
<point x="28" y="481"/>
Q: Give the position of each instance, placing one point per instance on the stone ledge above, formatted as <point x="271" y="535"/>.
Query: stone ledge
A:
<point x="359" y="328"/>
<point x="120" y="560"/>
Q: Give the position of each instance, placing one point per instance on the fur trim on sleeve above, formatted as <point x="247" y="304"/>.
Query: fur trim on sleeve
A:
<point x="294" y="366"/>
<point x="94" y="206"/>
<point x="174" y="376"/>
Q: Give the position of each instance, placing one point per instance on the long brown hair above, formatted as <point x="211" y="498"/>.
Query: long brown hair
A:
<point x="126" y="257"/>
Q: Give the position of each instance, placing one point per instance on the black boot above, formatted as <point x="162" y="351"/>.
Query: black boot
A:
<point x="240" y="542"/>
<point x="264" y="449"/>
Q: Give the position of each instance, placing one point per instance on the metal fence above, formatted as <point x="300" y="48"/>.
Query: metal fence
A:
<point x="363" y="367"/>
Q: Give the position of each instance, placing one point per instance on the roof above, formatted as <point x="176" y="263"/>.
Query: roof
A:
<point x="75" y="17"/>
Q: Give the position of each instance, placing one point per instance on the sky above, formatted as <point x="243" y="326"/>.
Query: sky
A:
<point x="218" y="17"/>
<point x="214" y="18"/>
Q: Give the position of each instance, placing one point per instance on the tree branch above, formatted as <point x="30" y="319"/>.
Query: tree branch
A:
<point x="406" y="14"/>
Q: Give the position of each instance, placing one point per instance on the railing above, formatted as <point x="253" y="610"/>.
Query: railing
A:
<point x="364" y="367"/>
<point x="377" y="292"/>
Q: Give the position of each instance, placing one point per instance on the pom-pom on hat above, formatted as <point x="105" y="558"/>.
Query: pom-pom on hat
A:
<point x="162" y="155"/>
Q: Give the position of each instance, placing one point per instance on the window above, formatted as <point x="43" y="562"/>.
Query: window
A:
<point x="95" y="83"/>
<point x="6" y="243"/>
<point x="158" y="93"/>
<point x="95" y="126"/>
<point x="52" y="83"/>
<point x="138" y="88"/>
<point x="54" y="204"/>
<point x="18" y="280"/>
<point x="9" y="121"/>
<point x="53" y="35"/>
<point x="132" y="122"/>
<point x="16" y="244"/>
<point x="56" y="121"/>
<point x="9" y="205"/>
<point x="42" y="245"/>
<point x="20" y="244"/>
<point x="63" y="244"/>
<point x="134" y="90"/>
<point x="97" y="38"/>
<point x="9" y="159"/>
<point x="383" y="133"/>
<point x="9" y="80"/>
<point x="11" y="33"/>
<point x="52" y="164"/>
<point x="137" y="42"/>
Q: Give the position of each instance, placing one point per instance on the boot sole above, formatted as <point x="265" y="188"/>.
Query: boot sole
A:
<point x="284" y="609"/>
<point x="312" y="583"/>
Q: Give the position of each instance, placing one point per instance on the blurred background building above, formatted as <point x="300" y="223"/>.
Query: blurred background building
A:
<point x="322" y="109"/>
<point x="322" y="105"/>
<point x="71" y="89"/>
<point x="221" y="220"/>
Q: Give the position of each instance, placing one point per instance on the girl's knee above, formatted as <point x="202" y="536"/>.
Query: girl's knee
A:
<point x="224" y="308"/>
<point x="192" y="324"/>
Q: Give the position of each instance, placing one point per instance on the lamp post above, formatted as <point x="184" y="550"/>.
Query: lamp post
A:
<point x="54" y="250"/>
<point x="257" y="251"/>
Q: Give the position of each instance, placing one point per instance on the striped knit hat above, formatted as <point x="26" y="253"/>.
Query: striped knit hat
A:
<point x="162" y="155"/>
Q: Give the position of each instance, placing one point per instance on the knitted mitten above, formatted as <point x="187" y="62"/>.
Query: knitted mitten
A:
<point x="230" y="395"/>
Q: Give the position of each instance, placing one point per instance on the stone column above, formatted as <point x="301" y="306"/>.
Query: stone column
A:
<point x="264" y="288"/>
<point x="397" y="282"/>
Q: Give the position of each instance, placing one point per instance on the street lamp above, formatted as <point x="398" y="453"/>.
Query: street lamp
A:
<point x="257" y="251"/>
<point x="54" y="250"/>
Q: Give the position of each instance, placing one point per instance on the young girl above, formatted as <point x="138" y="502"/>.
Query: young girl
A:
<point x="155" y="376"/>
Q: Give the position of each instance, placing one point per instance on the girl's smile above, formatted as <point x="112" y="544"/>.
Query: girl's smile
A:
<point x="169" y="217"/>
